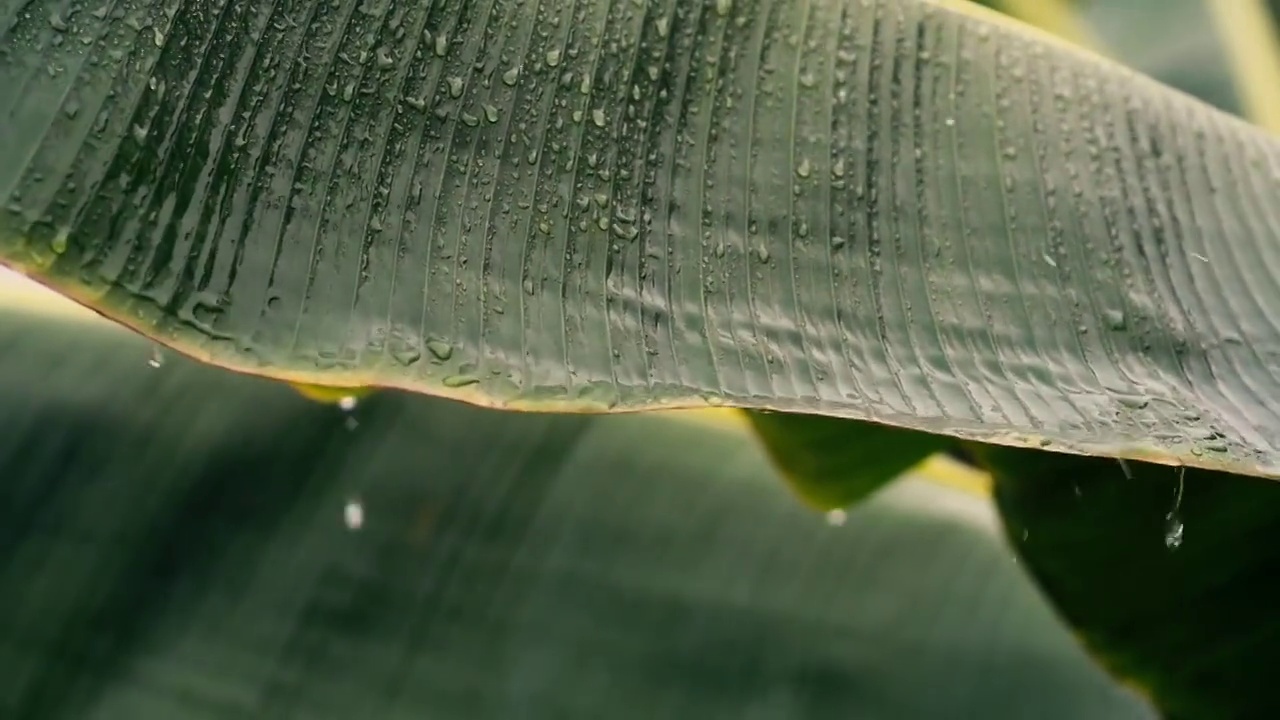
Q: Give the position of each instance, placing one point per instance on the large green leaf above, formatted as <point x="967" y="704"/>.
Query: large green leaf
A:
<point x="175" y="548"/>
<point x="1172" y="577"/>
<point x="879" y="210"/>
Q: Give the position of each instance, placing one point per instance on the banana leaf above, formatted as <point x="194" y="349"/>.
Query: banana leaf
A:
<point x="1169" y="576"/>
<point x="181" y="542"/>
<point x="896" y="211"/>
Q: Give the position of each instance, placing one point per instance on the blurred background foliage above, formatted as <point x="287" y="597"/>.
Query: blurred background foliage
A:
<point x="181" y="542"/>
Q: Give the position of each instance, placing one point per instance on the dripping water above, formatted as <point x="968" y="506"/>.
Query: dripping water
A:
<point x="353" y="514"/>
<point x="347" y="404"/>
<point x="1173" y="526"/>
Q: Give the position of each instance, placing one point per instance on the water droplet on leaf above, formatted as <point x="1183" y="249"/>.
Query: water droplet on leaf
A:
<point x="439" y="349"/>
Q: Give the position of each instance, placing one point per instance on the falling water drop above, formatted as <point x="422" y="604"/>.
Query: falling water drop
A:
<point x="347" y="403"/>
<point x="1173" y="531"/>
<point x="157" y="357"/>
<point x="353" y="514"/>
<point x="1173" y="526"/>
<point x="1115" y="319"/>
<point x="1124" y="465"/>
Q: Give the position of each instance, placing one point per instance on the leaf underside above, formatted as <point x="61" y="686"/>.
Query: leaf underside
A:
<point x="884" y="211"/>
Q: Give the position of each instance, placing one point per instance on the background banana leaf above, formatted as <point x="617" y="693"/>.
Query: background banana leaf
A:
<point x="177" y="546"/>
<point x="1171" y="40"/>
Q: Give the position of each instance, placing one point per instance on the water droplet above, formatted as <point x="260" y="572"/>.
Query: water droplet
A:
<point x="553" y="57"/>
<point x="1216" y="446"/>
<point x="455" y="86"/>
<point x="347" y="403"/>
<point x="157" y="357"/>
<point x="950" y="122"/>
<point x="724" y="7"/>
<point x="442" y="44"/>
<point x="1173" y="526"/>
<point x="59" y="243"/>
<point x="457" y="381"/>
<point x="1173" y="530"/>
<point x="1115" y="319"/>
<point x="1124" y="466"/>
<point x="439" y="349"/>
<point x="625" y="232"/>
<point x="837" y="517"/>
<point x="406" y="356"/>
<point x="837" y="242"/>
<point x="804" y="169"/>
<point x="490" y="113"/>
<point x="1134" y="402"/>
<point x="353" y="514"/>
<point x="509" y="77"/>
<point x="597" y="116"/>
<point x="385" y="58"/>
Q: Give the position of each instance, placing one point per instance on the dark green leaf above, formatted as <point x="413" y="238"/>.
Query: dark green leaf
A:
<point x="1171" y="576"/>
<point x="834" y="462"/>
